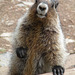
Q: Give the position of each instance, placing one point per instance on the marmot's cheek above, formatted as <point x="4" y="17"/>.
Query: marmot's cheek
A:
<point x="42" y="10"/>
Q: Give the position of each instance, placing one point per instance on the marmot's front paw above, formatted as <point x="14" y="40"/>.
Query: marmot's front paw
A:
<point x="58" y="70"/>
<point x="21" y="52"/>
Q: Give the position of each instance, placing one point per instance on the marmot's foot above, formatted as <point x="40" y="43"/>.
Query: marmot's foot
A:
<point x="58" y="70"/>
<point x="21" y="52"/>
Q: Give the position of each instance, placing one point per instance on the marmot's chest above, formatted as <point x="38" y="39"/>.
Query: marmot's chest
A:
<point x="39" y="37"/>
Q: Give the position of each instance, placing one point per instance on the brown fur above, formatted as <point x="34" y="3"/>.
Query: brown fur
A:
<point x="41" y="36"/>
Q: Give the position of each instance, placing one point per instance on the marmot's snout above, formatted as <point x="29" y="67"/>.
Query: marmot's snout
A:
<point x="42" y="10"/>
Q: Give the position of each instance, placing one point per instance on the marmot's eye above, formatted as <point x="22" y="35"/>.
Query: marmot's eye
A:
<point x="56" y="4"/>
<point x="52" y="5"/>
<point x="35" y="1"/>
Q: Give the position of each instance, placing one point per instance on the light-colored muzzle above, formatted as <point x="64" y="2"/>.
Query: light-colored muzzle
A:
<point x="42" y="10"/>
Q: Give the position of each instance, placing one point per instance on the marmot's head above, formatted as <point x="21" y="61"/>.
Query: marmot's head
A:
<point x="42" y="8"/>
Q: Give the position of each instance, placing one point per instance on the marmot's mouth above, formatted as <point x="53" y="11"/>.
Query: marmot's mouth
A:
<point x="41" y="15"/>
<point x="42" y="10"/>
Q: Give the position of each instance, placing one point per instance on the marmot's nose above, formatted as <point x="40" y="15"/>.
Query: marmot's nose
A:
<point x="42" y="8"/>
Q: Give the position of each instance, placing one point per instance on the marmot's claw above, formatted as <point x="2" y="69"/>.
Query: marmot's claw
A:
<point x="58" y="70"/>
<point x="21" y="52"/>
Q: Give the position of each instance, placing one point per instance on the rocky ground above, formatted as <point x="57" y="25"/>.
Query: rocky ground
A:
<point x="12" y="10"/>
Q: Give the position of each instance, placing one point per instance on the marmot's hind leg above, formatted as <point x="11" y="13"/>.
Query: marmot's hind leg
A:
<point x="17" y="66"/>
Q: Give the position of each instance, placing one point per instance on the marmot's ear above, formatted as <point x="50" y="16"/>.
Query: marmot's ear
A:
<point x="56" y="3"/>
